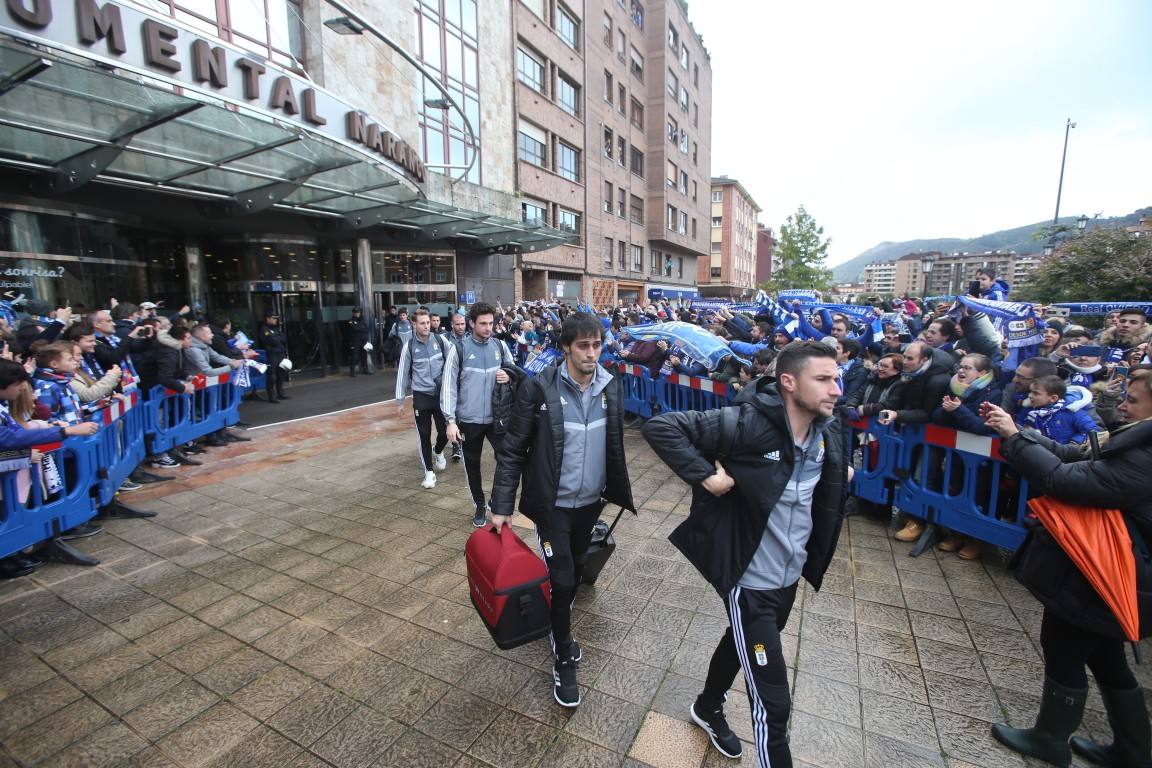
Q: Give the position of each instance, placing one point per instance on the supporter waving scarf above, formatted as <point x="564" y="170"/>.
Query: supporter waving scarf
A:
<point x="1016" y="322"/>
<point x="698" y="343"/>
<point x="55" y="391"/>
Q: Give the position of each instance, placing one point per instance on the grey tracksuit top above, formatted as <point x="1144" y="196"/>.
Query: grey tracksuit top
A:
<point x="584" y="469"/>
<point x="466" y="391"/>
<point x="426" y="360"/>
<point x="779" y="560"/>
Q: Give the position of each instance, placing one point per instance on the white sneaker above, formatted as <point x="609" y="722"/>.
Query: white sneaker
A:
<point x="438" y="461"/>
<point x="429" y="480"/>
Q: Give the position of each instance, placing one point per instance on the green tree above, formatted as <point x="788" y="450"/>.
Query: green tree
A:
<point x="801" y="250"/>
<point x="1099" y="265"/>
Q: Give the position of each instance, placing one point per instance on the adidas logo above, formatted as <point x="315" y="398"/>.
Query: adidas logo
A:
<point x="563" y="401"/>
<point x="543" y="406"/>
<point x="471" y="356"/>
<point x="772" y="455"/>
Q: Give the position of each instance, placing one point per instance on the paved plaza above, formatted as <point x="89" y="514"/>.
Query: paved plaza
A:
<point x="299" y="601"/>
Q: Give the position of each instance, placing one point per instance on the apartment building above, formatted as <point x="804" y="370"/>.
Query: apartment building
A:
<point x="550" y="106"/>
<point x="648" y="122"/>
<point x="766" y="262"/>
<point x="952" y="273"/>
<point x="730" y="269"/>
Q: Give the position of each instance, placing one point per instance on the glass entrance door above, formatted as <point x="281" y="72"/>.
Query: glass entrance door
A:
<point x="300" y="317"/>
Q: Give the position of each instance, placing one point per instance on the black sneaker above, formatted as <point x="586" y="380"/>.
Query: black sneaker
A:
<point x="481" y="516"/>
<point x="564" y="687"/>
<point x="82" y="531"/>
<point x="574" y="651"/>
<point x="164" y="461"/>
<point x="716" y="726"/>
<point x="457" y="452"/>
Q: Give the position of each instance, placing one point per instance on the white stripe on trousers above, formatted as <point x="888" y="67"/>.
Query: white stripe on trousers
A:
<point x="540" y="546"/>
<point x="420" y="437"/>
<point x="759" y="714"/>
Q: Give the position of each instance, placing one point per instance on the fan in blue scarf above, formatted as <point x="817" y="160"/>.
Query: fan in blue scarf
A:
<point x="54" y="390"/>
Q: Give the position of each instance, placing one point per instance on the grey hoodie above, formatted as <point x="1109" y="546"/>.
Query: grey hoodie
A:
<point x="584" y="468"/>
<point x="203" y="356"/>
<point x="466" y="390"/>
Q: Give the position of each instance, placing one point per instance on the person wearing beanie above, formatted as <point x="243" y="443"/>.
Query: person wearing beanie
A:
<point x="1053" y="334"/>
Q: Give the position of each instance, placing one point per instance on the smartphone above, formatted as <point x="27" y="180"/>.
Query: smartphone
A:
<point x="974" y="288"/>
<point x="1120" y="372"/>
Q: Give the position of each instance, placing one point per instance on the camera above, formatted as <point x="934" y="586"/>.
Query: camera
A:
<point x="974" y="289"/>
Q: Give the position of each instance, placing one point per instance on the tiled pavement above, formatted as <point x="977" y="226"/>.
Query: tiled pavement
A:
<point x="300" y="602"/>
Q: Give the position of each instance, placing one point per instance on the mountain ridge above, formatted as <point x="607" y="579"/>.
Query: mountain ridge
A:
<point x="1019" y="239"/>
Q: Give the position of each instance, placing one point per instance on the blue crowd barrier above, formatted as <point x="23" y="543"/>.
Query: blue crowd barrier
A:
<point x="945" y="477"/>
<point x="30" y="520"/>
<point x="91" y="469"/>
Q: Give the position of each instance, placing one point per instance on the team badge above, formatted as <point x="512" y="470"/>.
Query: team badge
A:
<point x="761" y="654"/>
<point x="548" y="549"/>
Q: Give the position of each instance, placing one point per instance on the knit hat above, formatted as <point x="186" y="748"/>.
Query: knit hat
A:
<point x="783" y="330"/>
<point x="1056" y="324"/>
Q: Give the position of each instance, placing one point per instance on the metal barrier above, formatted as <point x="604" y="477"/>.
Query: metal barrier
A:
<point x="29" y="521"/>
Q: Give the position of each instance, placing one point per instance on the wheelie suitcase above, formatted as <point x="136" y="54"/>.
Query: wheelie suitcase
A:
<point x="509" y="586"/>
<point x="601" y="548"/>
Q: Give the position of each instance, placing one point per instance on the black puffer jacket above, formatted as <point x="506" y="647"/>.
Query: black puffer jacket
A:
<point x="533" y="449"/>
<point x="922" y="394"/>
<point x="1117" y="480"/>
<point x="504" y="398"/>
<point x="721" y="534"/>
<point x="876" y="393"/>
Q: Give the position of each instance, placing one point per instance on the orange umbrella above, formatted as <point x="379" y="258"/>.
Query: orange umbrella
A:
<point x="1098" y="542"/>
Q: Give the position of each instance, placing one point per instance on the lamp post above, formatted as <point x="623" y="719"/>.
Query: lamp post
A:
<point x="926" y="265"/>
<point x="353" y="24"/>
<point x="1068" y="126"/>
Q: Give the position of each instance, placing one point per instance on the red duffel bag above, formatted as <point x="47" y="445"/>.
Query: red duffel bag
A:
<point x="509" y="586"/>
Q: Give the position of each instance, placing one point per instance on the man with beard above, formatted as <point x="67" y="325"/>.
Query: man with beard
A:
<point x="768" y="481"/>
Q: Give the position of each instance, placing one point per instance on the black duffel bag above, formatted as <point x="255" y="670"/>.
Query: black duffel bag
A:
<point x="601" y="548"/>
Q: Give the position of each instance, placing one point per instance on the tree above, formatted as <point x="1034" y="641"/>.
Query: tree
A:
<point x="1099" y="265"/>
<point x="801" y="249"/>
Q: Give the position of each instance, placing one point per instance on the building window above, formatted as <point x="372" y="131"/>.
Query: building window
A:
<point x="683" y="182"/>
<point x="693" y="227"/>
<point x="621" y="201"/>
<point x="717" y="222"/>
<point x="635" y="210"/>
<point x="568" y="95"/>
<point x="671" y="211"/>
<point x="695" y="115"/>
<point x="715" y="273"/>
<point x="696" y="75"/>
<point x="608" y="196"/>
<point x="609" y="143"/>
<point x="568" y="222"/>
<point x="567" y="161"/>
<point x="637" y="65"/>
<point x="695" y="153"/>
<point x="637" y="258"/>
<point x="673" y="130"/>
<point x="717" y="196"/>
<point x="622" y="255"/>
<point x="621" y="44"/>
<point x="670" y="179"/>
<point x="531" y="143"/>
<point x="536" y="6"/>
<point x="636" y="164"/>
<point x="683" y="98"/>
<point x="447" y="45"/>
<point x="717" y="246"/>
<point x="693" y="191"/>
<point x="567" y="27"/>
<point x="684" y="142"/>
<point x="680" y="269"/>
<point x="684" y="55"/>
<point x="530" y="70"/>
<point x="682" y="227"/>
<point x="637" y="115"/>
<point x="534" y="212"/>
<point x="608" y="89"/>
<point x="607" y="253"/>
<point x="274" y="26"/>
<point x="621" y="151"/>
<point x="637" y="14"/>
<point x="622" y="92"/>
<point x="673" y="37"/>
<point x="608" y="30"/>
<point x="654" y="262"/>
<point x="673" y="83"/>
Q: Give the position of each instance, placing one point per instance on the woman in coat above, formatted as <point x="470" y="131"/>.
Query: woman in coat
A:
<point x="1079" y="631"/>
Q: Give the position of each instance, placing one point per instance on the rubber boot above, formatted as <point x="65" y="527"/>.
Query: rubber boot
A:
<point x="1061" y="710"/>
<point x="1131" y="745"/>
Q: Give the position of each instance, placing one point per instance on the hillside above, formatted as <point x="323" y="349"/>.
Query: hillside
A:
<point x="1019" y="239"/>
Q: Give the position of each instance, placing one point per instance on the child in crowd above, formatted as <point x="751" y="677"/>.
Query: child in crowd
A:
<point x="52" y="382"/>
<point x="1057" y="411"/>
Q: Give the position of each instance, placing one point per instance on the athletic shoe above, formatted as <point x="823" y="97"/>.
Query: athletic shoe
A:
<point x="82" y="531"/>
<point x="574" y="649"/>
<point x="429" y="480"/>
<point x="481" y="516"/>
<point x="128" y="485"/>
<point x="716" y="726"/>
<point x="180" y="458"/>
<point x="457" y="452"/>
<point x="232" y="437"/>
<point x="438" y="462"/>
<point x="164" y="461"/>
<point x="564" y="687"/>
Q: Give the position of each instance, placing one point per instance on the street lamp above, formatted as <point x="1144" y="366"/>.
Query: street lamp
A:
<point x="926" y="264"/>
<point x="352" y="24"/>
<point x="1081" y="222"/>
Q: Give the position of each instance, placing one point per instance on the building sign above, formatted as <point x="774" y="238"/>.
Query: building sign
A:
<point x="130" y="37"/>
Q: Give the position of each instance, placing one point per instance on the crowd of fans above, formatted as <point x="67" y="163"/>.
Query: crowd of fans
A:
<point x="61" y="368"/>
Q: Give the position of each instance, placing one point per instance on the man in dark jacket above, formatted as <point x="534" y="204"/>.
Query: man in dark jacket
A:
<point x="271" y="339"/>
<point x="566" y="439"/>
<point x="768" y="486"/>
<point x="358" y="334"/>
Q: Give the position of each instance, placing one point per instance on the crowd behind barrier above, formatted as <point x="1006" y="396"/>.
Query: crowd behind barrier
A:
<point x="91" y="469"/>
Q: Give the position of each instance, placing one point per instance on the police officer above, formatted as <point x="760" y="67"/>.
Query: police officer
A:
<point x="358" y="335"/>
<point x="271" y="340"/>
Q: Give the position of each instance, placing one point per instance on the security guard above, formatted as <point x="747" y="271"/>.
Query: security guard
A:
<point x="358" y="335"/>
<point x="271" y="340"/>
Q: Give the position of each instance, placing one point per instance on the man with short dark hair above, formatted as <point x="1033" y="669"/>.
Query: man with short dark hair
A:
<point x="786" y="471"/>
<point x="1027" y="372"/>
<point x="1131" y="330"/>
<point x="472" y="369"/>
<point x="271" y="339"/>
<point x="941" y="334"/>
<point x="359" y="332"/>
<point x="577" y="407"/>
<point x="421" y="365"/>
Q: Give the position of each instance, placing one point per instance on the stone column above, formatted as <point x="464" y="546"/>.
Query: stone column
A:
<point x="197" y="279"/>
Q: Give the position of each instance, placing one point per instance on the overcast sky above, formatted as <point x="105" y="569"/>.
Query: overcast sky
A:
<point x="898" y="120"/>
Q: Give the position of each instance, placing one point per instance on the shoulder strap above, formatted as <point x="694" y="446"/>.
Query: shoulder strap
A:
<point x="458" y="344"/>
<point x="729" y="419"/>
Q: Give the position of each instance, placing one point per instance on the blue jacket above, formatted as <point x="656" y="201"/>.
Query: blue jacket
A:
<point x="1069" y="423"/>
<point x="14" y="437"/>
<point x="997" y="292"/>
